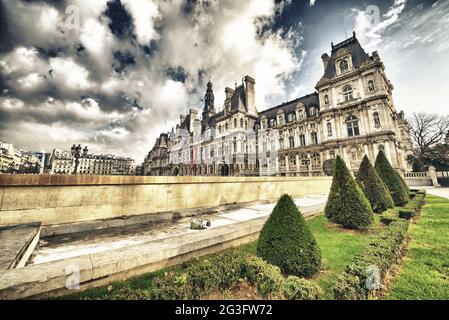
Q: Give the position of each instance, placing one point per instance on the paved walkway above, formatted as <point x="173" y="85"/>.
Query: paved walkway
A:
<point x="440" y="192"/>
<point x="73" y="245"/>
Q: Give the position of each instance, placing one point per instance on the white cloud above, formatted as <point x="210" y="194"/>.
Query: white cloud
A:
<point x="66" y="71"/>
<point x="144" y="12"/>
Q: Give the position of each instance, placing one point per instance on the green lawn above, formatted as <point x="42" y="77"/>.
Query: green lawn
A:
<point x="338" y="247"/>
<point x="425" y="270"/>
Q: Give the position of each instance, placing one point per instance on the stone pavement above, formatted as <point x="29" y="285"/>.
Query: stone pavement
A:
<point x="74" y="245"/>
<point x="440" y="192"/>
<point x="16" y="244"/>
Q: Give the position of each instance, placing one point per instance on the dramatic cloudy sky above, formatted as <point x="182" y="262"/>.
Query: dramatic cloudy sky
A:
<point x="120" y="74"/>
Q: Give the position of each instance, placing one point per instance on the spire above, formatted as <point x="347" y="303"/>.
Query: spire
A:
<point x="209" y="97"/>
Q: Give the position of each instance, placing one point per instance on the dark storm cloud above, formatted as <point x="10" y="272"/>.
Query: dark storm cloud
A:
<point x="120" y="20"/>
<point x="177" y="74"/>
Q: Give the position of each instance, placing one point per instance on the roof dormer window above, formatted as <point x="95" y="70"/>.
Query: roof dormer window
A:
<point x="344" y="66"/>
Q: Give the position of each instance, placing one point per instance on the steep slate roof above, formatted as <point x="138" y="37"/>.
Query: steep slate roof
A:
<point x="359" y="56"/>
<point x="238" y="99"/>
<point x="186" y="123"/>
<point x="289" y="107"/>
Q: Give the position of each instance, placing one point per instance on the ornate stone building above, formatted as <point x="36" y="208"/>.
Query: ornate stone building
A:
<point x="351" y="114"/>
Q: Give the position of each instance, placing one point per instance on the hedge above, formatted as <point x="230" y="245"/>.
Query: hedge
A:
<point x="224" y="271"/>
<point x="367" y="270"/>
<point x="413" y="207"/>
<point x="365" y="273"/>
<point x="287" y="242"/>
<point x="295" y="288"/>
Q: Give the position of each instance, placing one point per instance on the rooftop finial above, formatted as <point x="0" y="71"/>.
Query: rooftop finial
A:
<point x="353" y="33"/>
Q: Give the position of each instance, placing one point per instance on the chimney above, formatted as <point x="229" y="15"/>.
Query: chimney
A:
<point x="229" y="92"/>
<point x="325" y="58"/>
<point x="250" y="95"/>
<point x="193" y="115"/>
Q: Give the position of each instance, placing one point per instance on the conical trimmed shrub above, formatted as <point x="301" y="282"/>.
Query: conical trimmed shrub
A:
<point x="373" y="187"/>
<point x="391" y="179"/>
<point x="404" y="184"/>
<point x="286" y="241"/>
<point x="346" y="204"/>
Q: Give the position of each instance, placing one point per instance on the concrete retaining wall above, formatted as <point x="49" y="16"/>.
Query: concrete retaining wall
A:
<point x="53" y="278"/>
<point x="52" y="199"/>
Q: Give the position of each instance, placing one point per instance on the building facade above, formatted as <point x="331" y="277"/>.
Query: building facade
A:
<point x="17" y="160"/>
<point x="62" y="162"/>
<point x="350" y="114"/>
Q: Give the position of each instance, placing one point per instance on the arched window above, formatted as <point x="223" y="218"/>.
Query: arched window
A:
<point x="226" y="126"/>
<point x="300" y="115"/>
<point x="347" y="93"/>
<point x="352" y="123"/>
<point x="246" y="125"/>
<point x="326" y="100"/>
<point x="241" y="123"/>
<point x="370" y="85"/>
<point x="234" y="145"/>
<point x="302" y="140"/>
<point x="235" y="123"/>
<point x="344" y="67"/>
<point x="291" y="142"/>
<point x="376" y="120"/>
<point x="314" y="137"/>
<point x="329" y="129"/>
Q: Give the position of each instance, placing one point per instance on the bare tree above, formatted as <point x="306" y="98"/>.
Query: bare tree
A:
<point x="428" y="130"/>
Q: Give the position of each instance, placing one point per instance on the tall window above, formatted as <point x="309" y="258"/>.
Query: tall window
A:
<point x="329" y="129"/>
<point x="235" y="123"/>
<point x="347" y="93"/>
<point x="314" y="137"/>
<point x="290" y="117"/>
<point x="234" y="144"/>
<point x="302" y="140"/>
<point x="352" y="123"/>
<point x="312" y="111"/>
<point x="344" y="67"/>
<point x="291" y="142"/>
<point x="300" y="115"/>
<point x="272" y="122"/>
<point x="370" y="85"/>
<point x="316" y="160"/>
<point x="226" y="126"/>
<point x="376" y="120"/>
<point x="241" y="123"/>
<point x="281" y="143"/>
<point x="326" y="100"/>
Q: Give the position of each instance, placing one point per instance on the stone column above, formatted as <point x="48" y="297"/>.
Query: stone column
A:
<point x="433" y="175"/>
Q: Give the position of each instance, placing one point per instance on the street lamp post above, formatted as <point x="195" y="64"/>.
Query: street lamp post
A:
<point x="76" y="153"/>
